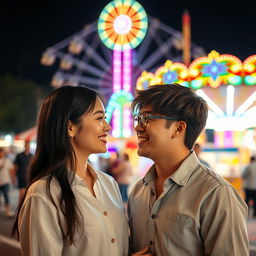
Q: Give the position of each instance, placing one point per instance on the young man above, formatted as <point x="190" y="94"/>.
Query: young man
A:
<point x="181" y="207"/>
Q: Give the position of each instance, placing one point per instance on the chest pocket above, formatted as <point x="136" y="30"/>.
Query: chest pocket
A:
<point x="179" y="218"/>
<point x="178" y="226"/>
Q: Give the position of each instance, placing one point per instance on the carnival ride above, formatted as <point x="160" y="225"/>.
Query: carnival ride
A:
<point x="103" y="56"/>
<point x="125" y="47"/>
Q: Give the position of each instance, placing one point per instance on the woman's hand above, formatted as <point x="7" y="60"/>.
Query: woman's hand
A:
<point x="143" y="252"/>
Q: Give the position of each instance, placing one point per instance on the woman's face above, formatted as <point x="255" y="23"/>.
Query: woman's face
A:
<point x="90" y="136"/>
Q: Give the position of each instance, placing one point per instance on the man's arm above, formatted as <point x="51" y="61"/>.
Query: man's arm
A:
<point x="223" y="223"/>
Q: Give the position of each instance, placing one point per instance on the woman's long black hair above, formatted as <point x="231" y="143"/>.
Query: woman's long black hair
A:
<point x="54" y="150"/>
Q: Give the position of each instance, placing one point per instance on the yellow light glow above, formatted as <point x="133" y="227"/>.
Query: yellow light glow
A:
<point x="249" y="68"/>
<point x="236" y="68"/>
<point x="194" y="72"/>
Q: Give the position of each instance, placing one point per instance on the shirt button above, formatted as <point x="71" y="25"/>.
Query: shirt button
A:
<point x="113" y="240"/>
<point x="105" y="213"/>
<point x="152" y="193"/>
<point x="153" y="216"/>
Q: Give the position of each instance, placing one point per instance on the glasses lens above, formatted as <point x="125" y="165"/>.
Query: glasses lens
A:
<point x="135" y="120"/>
<point x="140" y="119"/>
<point x="144" y="121"/>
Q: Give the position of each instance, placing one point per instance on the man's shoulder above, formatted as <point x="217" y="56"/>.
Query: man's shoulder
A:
<point x="209" y="178"/>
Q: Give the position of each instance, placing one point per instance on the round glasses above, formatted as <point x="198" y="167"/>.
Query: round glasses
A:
<point x="143" y="119"/>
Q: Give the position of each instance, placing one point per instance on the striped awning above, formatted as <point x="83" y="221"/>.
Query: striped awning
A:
<point x="29" y="134"/>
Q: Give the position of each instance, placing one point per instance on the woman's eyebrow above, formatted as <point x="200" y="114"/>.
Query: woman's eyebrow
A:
<point x="99" y="112"/>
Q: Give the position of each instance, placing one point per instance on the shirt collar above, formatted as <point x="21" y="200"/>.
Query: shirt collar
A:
<point x="180" y="176"/>
<point x="150" y="176"/>
<point x="77" y="180"/>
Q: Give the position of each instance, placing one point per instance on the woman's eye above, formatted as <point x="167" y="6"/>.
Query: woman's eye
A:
<point x="101" y="118"/>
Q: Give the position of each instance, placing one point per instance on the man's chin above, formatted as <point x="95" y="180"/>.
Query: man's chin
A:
<point x="141" y="153"/>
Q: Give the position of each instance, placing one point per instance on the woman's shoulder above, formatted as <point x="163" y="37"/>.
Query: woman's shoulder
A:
<point x="39" y="188"/>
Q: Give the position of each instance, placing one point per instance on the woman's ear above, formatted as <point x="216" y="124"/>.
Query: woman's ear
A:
<point x="71" y="129"/>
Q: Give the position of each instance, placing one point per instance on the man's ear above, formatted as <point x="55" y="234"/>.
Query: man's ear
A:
<point x="180" y="128"/>
<point x="71" y="129"/>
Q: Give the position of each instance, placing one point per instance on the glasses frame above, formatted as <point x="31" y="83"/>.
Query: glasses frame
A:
<point x="147" y="117"/>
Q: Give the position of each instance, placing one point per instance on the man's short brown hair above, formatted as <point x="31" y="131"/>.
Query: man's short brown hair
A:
<point x="176" y="101"/>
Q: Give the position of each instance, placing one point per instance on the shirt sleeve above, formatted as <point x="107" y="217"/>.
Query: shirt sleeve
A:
<point x="223" y="223"/>
<point x="40" y="232"/>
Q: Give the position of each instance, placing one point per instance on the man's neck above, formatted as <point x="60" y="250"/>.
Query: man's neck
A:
<point x="165" y="167"/>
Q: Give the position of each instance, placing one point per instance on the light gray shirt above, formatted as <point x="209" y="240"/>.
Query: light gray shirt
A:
<point x="249" y="176"/>
<point x="198" y="213"/>
<point x="5" y="169"/>
<point x="104" y="228"/>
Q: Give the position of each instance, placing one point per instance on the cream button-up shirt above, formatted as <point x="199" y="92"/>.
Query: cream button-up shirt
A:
<point x="104" y="227"/>
<point x="198" y="213"/>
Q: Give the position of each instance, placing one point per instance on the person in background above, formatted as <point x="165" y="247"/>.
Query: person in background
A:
<point x="11" y="153"/>
<point x="70" y="208"/>
<point x="197" y="149"/>
<point x="113" y="162"/>
<point x="249" y="178"/>
<point x="5" y="181"/>
<point x="181" y="207"/>
<point x="123" y="173"/>
<point x="21" y="165"/>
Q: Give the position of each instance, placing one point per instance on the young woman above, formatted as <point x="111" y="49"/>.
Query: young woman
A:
<point x="69" y="208"/>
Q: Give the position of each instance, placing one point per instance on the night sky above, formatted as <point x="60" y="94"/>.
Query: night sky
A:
<point x="29" y="27"/>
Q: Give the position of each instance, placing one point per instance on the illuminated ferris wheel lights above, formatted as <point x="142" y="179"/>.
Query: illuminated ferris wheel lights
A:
<point x="47" y="59"/>
<point x="76" y="45"/>
<point x="122" y="24"/>
<point x="66" y="63"/>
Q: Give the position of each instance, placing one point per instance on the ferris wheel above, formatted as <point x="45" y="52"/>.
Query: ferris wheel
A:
<point x="82" y="58"/>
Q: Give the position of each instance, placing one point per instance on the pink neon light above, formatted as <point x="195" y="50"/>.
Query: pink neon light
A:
<point x="228" y="138"/>
<point x="116" y="123"/>
<point x="127" y="66"/>
<point x="126" y="121"/>
<point x="117" y="71"/>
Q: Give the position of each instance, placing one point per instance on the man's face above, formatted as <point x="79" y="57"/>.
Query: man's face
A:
<point x="27" y="146"/>
<point x="155" y="140"/>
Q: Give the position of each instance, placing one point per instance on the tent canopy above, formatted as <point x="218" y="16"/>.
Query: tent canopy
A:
<point x="29" y="134"/>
